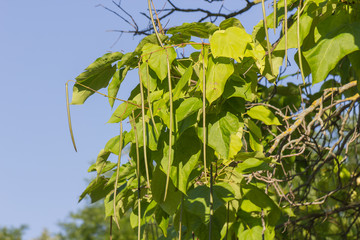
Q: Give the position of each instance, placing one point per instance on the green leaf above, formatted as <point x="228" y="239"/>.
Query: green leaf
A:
<point x="252" y="165"/>
<point x="306" y="21"/>
<point x="125" y="109"/>
<point x="182" y="82"/>
<point x="196" y="29"/>
<point x="97" y="189"/>
<point x="188" y="107"/>
<point x="237" y="86"/>
<point x="355" y="63"/>
<point x="148" y="76"/>
<point x="198" y="200"/>
<point x="338" y="37"/>
<point x="101" y="161"/>
<point x="255" y="136"/>
<point x="162" y="219"/>
<point x="113" y="144"/>
<point x="186" y="156"/>
<point x="253" y="233"/>
<point x="149" y="39"/>
<point x="158" y="189"/>
<point x="96" y="76"/>
<point x="220" y="132"/>
<point x="230" y="43"/>
<point x="263" y="114"/>
<point x="217" y="73"/>
<point x="157" y="58"/>
<point x="114" y="85"/>
<point x="230" y="22"/>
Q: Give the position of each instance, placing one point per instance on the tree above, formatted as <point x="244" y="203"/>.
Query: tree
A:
<point x="12" y="233"/>
<point x="45" y="235"/>
<point x="88" y="223"/>
<point x="225" y="142"/>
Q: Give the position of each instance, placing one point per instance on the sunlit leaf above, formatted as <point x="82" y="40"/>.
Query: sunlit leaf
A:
<point x="263" y="114"/>
<point x="236" y="40"/>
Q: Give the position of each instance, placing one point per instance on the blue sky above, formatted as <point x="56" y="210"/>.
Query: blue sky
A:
<point x="44" y="43"/>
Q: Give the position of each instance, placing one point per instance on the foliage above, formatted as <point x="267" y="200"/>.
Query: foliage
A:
<point x="88" y="223"/>
<point x="220" y="146"/>
<point x="12" y="233"/>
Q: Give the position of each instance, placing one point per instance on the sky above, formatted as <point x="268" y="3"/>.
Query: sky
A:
<point x="44" y="43"/>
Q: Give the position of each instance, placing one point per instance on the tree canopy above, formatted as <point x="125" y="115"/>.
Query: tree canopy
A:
<point x="225" y="142"/>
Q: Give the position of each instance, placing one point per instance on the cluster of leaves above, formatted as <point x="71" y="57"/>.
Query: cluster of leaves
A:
<point x="204" y="127"/>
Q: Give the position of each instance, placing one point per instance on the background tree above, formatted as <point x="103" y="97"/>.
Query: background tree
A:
<point x="227" y="140"/>
<point x="12" y="233"/>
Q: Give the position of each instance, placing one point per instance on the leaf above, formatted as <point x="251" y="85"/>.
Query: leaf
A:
<point x="230" y="22"/>
<point x="148" y="76"/>
<point x="113" y="144"/>
<point x="236" y="86"/>
<point x="255" y="136"/>
<point x="101" y="161"/>
<point x="125" y="109"/>
<point x="253" y="233"/>
<point x="217" y="73"/>
<point x="306" y="21"/>
<point x="187" y="108"/>
<point x="186" y="156"/>
<point x="198" y="200"/>
<point x="263" y="114"/>
<point x="252" y="165"/>
<point x="149" y="39"/>
<point x="236" y="40"/>
<point x="196" y="29"/>
<point x="338" y="38"/>
<point x="114" y="85"/>
<point x="96" y="76"/>
<point x="97" y="189"/>
<point x="158" y="190"/>
<point x="157" y="58"/>
<point x="355" y="63"/>
<point x="162" y="219"/>
<point x="219" y="134"/>
<point x="182" y="82"/>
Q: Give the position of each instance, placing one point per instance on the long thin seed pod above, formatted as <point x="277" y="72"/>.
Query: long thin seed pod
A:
<point x="137" y="173"/>
<point x="153" y="23"/>
<point x="267" y="35"/>
<point x="298" y="43"/>
<point x="171" y="127"/>
<point x="181" y="213"/>
<point x="275" y="19"/>
<point x="93" y="90"/>
<point x="143" y="126"/>
<point x="204" y="113"/>
<point x="148" y="99"/>
<point x="286" y="33"/>
<point x="157" y="18"/>
<point x="211" y="201"/>
<point x="68" y="115"/>
<point x="110" y="228"/>
<point x="117" y="172"/>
